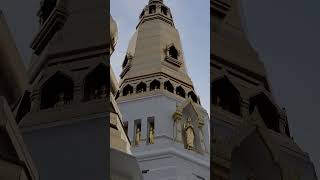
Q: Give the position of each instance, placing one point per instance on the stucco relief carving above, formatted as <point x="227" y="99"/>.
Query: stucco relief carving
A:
<point x="188" y="127"/>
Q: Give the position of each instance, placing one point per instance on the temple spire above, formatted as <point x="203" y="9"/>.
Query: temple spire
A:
<point x="156" y="9"/>
<point x="155" y="49"/>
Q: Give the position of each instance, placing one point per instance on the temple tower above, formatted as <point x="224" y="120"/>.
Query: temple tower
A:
<point x="15" y="160"/>
<point x="251" y="135"/>
<point x="123" y="166"/>
<point x="163" y="117"/>
<point x="65" y="119"/>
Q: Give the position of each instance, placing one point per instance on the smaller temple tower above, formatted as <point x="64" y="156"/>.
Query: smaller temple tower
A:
<point x="63" y="114"/>
<point x="66" y="124"/>
<point x="123" y="166"/>
<point x="15" y="160"/>
<point x="251" y="135"/>
<point x="13" y="72"/>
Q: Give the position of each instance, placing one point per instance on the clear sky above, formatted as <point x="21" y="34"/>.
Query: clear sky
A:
<point x="192" y="19"/>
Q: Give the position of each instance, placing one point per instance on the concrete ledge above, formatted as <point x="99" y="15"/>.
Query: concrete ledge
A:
<point x="124" y="165"/>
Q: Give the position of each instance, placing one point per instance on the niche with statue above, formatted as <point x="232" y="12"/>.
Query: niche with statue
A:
<point x="192" y="133"/>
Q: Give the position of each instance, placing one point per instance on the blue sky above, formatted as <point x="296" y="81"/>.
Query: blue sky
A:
<point x="192" y="19"/>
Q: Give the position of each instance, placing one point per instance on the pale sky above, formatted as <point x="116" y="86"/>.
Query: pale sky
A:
<point x="192" y="19"/>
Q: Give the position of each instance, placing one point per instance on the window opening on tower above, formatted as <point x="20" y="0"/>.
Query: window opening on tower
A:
<point x="180" y="92"/>
<point x="95" y="86"/>
<point x="267" y="110"/>
<point x="56" y="91"/>
<point x="142" y="87"/>
<point x="151" y="130"/>
<point x="155" y="84"/>
<point x="137" y="131"/>
<point x="193" y="96"/>
<point x="226" y="96"/>
<point x="168" y="86"/>
<point x="173" y="52"/>
<point x="152" y="9"/>
<point x="164" y="10"/>
<point x="127" y="90"/>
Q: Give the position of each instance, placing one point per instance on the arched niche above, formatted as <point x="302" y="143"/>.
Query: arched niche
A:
<point x="141" y="87"/>
<point x="164" y="10"/>
<point x="193" y="96"/>
<point x="155" y="84"/>
<point x="190" y="116"/>
<point x="267" y="110"/>
<point x="168" y="86"/>
<point x="173" y="52"/>
<point x="96" y="83"/>
<point x="180" y="92"/>
<point x="152" y="9"/>
<point x="127" y="90"/>
<point x="56" y="91"/>
<point x="225" y="95"/>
